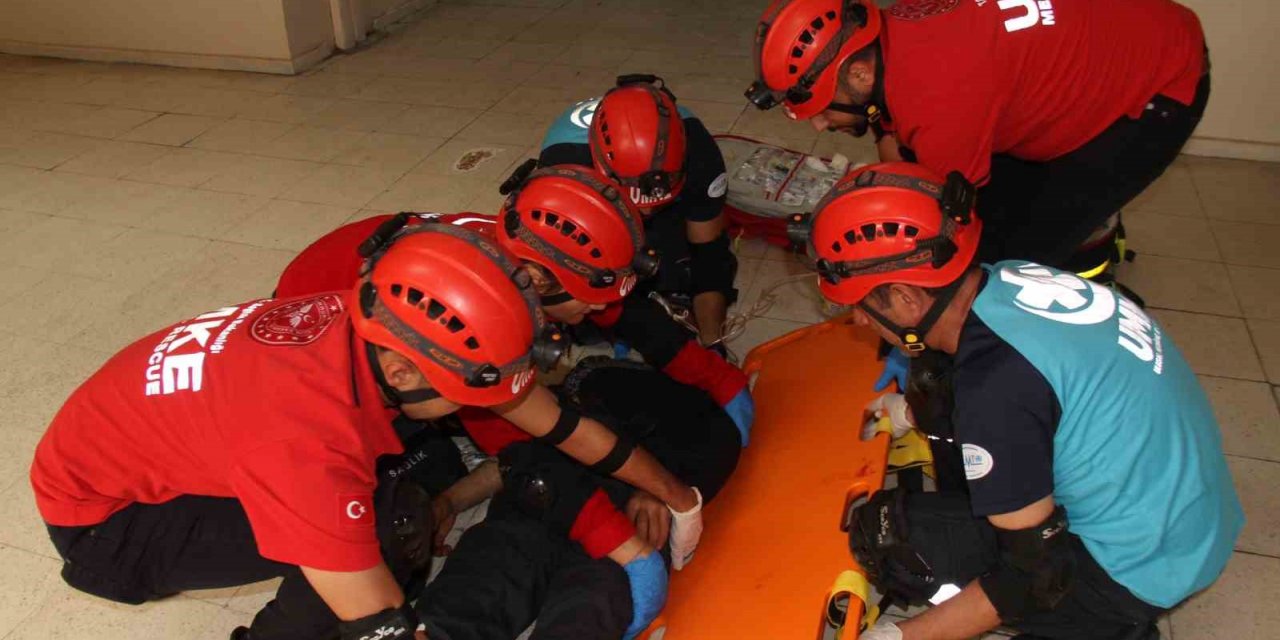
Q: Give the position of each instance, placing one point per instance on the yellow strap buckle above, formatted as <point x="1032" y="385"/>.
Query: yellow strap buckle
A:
<point x="849" y="585"/>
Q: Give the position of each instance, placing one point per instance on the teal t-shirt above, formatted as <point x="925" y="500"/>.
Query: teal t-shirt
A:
<point x="1065" y="387"/>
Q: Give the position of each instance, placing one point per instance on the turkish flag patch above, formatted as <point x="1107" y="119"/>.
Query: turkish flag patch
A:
<point x="355" y="510"/>
<point x="299" y="322"/>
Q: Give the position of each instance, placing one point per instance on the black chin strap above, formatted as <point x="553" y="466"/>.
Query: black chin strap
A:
<point x="553" y="299"/>
<point x="913" y="337"/>
<point x="395" y="396"/>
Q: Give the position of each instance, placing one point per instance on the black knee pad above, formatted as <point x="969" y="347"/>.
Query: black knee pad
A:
<point x="1036" y="570"/>
<point x="713" y="267"/>
<point x="544" y="484"/>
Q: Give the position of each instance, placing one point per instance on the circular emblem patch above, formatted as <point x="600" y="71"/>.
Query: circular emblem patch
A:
<point x="718" y="186"/>
<point x="977" y="461"/>
<point x="583" y="112"/>
<point x="299" y="322"/>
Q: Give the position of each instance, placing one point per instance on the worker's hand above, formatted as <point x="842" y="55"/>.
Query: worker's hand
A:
<point x="742" y="410"/>
<point x="884" y="630"/>
<point x="896" y="365"/>
<point x="444" y="515"/>
<point x="648" y="576"/>
<point x="892" y="406"/>
<point x="651" y="518"/>
<point x="686" y="530"/>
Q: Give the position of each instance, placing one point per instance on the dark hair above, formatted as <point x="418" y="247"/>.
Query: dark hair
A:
<point x="551" y="284"/>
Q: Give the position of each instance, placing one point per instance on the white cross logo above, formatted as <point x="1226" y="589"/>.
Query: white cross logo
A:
<point x="1042" y="289"/>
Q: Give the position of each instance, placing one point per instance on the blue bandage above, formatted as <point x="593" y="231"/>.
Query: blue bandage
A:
<point x="648" y="575"/>
<point x="895" y="368"/>
<point x="742" y="410"/>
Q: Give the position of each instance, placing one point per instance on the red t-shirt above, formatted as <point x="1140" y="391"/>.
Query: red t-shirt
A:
<point x="332" y="262"/>
<point x="271" y="402"/>
<point x="965" y="79"/>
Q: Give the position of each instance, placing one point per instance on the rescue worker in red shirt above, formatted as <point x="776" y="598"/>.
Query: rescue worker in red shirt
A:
<point x="241" y="444"/>
<point x="1060" y="111"/>
<point x="580" y="239"/>
<point x="577" y="233"/>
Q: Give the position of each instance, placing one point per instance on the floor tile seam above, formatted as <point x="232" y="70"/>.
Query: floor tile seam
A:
<point x="115" y="139"/>
<point x="1253" y="341"/>
<point x="25" y="619"/>
<point x="1257" y="554"/>
<point x="188" y="235"/>
<point x="1146" y="209"/>
<point x="1199" y="313"/>
<point x="1252" y="458"/>
<point x="357" y="208"/>
<point x="1236" y="378"/>
<point x="86" y="151"/>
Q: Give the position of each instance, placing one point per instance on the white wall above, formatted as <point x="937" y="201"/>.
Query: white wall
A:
<point x="1243" y="117"/>
<point x="279" y="36"/>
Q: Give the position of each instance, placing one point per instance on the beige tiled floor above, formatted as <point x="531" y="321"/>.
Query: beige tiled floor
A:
<point x="132" y="196"/>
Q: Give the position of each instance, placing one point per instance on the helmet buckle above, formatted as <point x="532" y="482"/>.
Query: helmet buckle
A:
<point x="912" y="341"/>
<point x="548" y="348"/>
<point x="958" y="197"/>
<point x="799" y="228"/>
<point x="646" y="263"/>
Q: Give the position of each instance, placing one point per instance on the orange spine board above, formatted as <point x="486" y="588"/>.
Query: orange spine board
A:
<point x="773" y="544"/>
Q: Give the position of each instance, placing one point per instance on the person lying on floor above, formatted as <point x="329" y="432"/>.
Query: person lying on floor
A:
<point x="562" y="545"/>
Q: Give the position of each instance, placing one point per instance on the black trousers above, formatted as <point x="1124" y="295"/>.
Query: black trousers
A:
<point x="680" y="425"/>
<point x="147" y="552"/>
<point x="510" y="570"/>
<point x="1095" y="607"/>
<point x="519" y="564"/>
<point x="1044" y="211"/>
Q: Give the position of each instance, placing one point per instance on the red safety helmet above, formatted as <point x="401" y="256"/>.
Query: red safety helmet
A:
<point x="800" y="47"/>
<point x="578" y="225"/>
<point x="891" y="222"/>
<point x="637" y="139"/>
<point x="455" y="304"/>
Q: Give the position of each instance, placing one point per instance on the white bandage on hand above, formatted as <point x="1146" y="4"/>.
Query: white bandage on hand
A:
<point x="686" y="530"/>
<point x="892" y="406"/>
